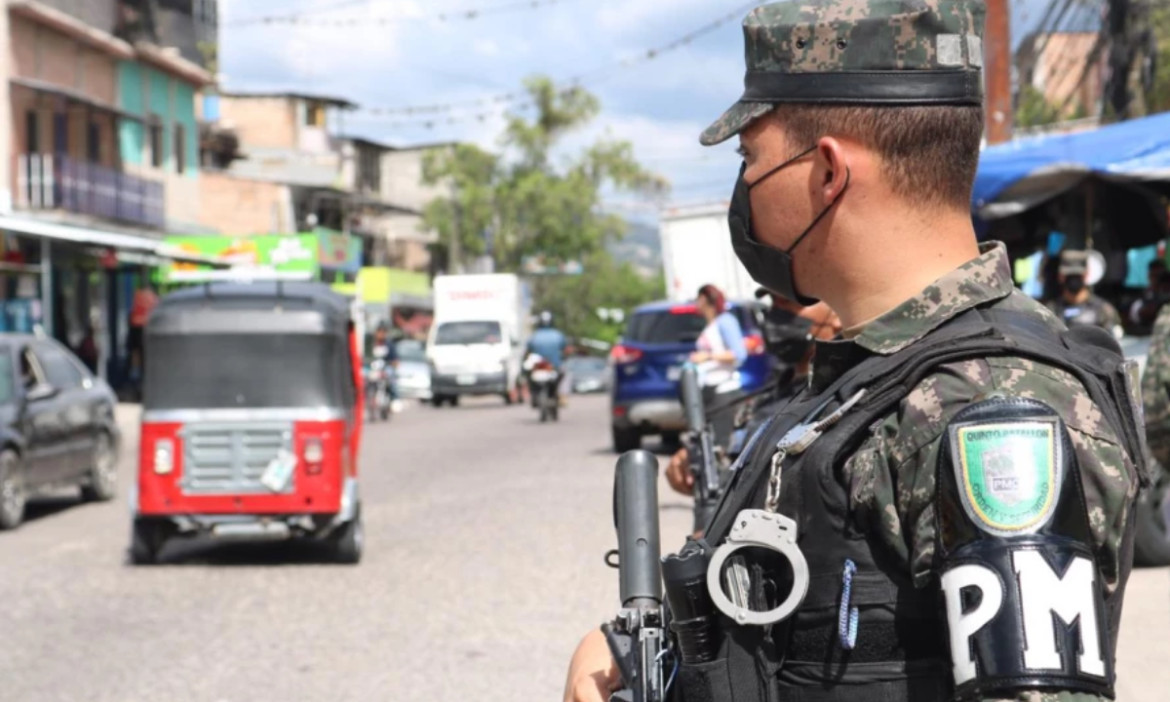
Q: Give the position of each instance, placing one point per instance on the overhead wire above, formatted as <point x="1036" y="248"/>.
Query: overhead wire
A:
<point x="304" y="18"/>
<point x="490" y="105"/>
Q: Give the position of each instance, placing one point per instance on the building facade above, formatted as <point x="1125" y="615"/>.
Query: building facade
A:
<point x="98" y="163"/>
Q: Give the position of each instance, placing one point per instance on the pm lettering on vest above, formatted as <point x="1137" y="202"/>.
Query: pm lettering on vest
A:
<point x="1014" y="614"/>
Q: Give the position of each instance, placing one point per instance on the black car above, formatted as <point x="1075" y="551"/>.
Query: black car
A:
<point x="57" y="425"/>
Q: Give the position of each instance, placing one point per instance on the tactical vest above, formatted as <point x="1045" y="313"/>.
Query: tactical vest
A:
<point x="900" y="652"/>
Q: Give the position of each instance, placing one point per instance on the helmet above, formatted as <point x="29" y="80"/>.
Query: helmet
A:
<point x="546" y="319"/>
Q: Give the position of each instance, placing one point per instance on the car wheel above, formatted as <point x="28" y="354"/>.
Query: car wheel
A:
<point x="147" y="538"/>
<point x="1151" y="545"/>
<point x="625" y="439"/>
<point x="348" y="540"/>
<point x="12" y="490"/>
<point x="102" y="483"/>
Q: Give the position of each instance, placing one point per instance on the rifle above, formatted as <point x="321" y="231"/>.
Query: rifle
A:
<point x="700" y="448"/>
<point x="637" y="637"/>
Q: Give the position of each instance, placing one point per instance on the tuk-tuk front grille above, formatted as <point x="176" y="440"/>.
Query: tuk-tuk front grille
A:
<point x="232" y="458"/>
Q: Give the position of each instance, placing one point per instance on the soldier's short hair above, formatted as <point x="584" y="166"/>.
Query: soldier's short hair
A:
<point x="929" y="153"/>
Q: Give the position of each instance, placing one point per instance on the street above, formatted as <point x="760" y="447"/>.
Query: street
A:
<point x="485" y="533"/>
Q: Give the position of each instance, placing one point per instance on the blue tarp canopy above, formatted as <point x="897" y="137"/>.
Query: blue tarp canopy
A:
<point x="1126" y="166"/>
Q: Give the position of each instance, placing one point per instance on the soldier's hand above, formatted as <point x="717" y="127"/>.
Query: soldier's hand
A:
<point x="593" y="674"/>
<point x="678" y="472"/>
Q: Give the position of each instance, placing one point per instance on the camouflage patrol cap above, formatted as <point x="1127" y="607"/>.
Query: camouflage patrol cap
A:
<point x="1073" y="262"/>
<point x="857" y="52"/>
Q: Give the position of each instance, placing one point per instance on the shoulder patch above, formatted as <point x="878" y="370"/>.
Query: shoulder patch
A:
<point x="1008" y="472"/>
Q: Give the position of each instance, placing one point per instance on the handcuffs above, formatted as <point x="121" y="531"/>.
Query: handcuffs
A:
<point x="768" y="529"/>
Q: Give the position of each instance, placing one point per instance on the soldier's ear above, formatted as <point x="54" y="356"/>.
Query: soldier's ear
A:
<point x="832" y="162"/>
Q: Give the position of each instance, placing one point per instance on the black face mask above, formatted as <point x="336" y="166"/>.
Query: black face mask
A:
<point x="768" y="266"/>
<point x="1074" y="283"/>
<point x="787" y="336"/>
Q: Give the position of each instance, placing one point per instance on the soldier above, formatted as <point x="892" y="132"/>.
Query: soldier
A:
<point x="956" y="486"/>
<point x="1077" y="304"/>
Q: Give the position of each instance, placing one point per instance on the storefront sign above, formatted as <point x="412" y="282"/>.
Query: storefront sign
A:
<point x="271" y="256"/>
<point x="339" y="252"/>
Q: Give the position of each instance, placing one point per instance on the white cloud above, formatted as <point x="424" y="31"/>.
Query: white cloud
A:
<point x="486" y="47"/>
<point x="625" y="15"/>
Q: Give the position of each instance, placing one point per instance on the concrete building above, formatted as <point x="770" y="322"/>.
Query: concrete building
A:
<point x="98" y="161"/>
<point x="1061" y="67"/>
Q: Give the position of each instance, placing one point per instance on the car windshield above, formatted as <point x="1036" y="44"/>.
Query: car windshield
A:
<point x="7" y="381"/>
<point x="457" y="333"/>
<point x="411" y="350"/>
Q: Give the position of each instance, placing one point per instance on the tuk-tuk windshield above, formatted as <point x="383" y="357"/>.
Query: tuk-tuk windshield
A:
<point x="219" y="371"/>
<point x="454" y="333"/>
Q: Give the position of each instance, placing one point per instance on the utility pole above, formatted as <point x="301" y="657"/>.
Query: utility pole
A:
<point x="997" y="60"/>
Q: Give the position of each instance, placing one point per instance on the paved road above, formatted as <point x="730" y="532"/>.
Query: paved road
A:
<point x="485" y="532"/>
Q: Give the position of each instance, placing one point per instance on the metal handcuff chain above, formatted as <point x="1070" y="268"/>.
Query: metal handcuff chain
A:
<point x="768" y="529"/>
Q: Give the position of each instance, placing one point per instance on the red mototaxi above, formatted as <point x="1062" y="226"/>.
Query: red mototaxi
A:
<point x="251" y="422"/>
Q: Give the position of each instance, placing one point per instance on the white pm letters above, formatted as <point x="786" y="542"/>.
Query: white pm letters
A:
<point x="1043" y="593"/>
<point x="964" y="626"/>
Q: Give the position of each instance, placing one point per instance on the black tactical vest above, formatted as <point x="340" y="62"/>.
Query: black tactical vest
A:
<point x="900" y="652"/>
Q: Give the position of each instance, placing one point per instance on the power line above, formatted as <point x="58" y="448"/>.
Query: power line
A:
<point x="595" y="75"/>
<point x="303" y="20"/>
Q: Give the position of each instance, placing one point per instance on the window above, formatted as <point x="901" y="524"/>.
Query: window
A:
<point x="156" y="142"/>
<point x="60" y="370"/>
<point x="315" y="114"/>
<point x="7" y="379"/>
<point x="31" y="374"/>
<point x="93" y="142"/>
<point x="467" y="333"/>
<point x="180" y="149"/>
<point x="32" y="131"/>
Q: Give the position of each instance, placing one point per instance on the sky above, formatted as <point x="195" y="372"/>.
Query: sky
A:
<point x="399" y="54"/>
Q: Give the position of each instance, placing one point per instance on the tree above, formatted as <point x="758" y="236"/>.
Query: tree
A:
<point x="1034" y="109"/>
<point x="1159" y="97"/>
<point x="529" y="204"/>
<point x="574" y="300"/>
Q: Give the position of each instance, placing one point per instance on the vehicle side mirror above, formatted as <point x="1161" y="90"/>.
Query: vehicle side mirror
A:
<point x="41" y="391"/>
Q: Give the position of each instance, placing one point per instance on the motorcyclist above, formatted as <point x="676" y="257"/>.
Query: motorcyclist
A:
<point x="549" y="343"/>
<point x="383" y="348"/>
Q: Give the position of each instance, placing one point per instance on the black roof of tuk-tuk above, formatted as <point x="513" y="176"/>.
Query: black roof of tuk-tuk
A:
<point x="295" y="306"/>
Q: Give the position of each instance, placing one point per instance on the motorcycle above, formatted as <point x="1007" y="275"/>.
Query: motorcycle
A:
<point x="378" y="396"/>
<point x="542" y="383"/>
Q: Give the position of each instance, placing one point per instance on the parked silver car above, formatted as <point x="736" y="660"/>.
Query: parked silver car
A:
<point x="412" y="377"/>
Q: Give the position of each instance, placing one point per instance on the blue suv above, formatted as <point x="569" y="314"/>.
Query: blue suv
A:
<point x="648" y="361"/>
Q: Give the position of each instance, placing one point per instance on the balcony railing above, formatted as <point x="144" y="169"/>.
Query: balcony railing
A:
<point x="51" y="182"/>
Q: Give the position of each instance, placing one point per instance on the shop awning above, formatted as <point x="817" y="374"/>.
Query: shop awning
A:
<point x="109" y="239"/>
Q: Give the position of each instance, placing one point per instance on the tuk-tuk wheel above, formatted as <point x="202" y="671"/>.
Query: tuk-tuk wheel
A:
<point x="146" y="540"/>
<point x="348" y="540"/>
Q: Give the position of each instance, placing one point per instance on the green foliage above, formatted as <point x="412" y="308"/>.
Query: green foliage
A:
<point x="574" y="300"/>
<point x="1034" y="109"/>
<point x="531" y="205"/>
<point x="1159" y="97"/>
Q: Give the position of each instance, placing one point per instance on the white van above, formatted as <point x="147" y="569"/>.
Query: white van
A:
<point x="477" y="340"/>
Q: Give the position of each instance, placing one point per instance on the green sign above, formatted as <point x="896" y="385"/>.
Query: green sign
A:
<point x="1007" y="473"/>
<point x="289" y="257"/>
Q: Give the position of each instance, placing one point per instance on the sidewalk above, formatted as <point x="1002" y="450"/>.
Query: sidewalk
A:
<point x="127" y="415"/>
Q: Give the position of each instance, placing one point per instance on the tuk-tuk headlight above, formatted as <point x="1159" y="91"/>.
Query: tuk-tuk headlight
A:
<point x="314" y="452"/>
<point x="164" y="456"/>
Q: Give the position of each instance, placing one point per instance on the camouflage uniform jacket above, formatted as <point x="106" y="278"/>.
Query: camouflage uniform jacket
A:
<point x="891" y="478"/>
<point x="1156" y="389"/>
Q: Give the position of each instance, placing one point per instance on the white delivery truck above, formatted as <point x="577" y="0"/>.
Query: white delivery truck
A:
<point x="478" y="336"/>
<point x="696" y="250"/>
